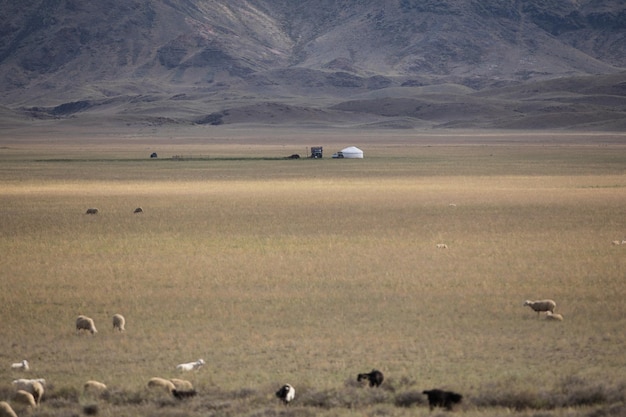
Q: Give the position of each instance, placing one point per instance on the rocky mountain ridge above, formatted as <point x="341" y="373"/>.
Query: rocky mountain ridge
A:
<point x="203" y="61"/>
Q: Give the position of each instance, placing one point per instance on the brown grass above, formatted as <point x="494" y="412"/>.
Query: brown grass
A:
<point x="309" y="272"/>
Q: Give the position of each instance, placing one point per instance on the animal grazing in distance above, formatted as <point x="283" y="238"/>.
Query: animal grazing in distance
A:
<point x="92" y="210"/>
<point x="85" y="323"/>
<point x="375" y="378"/>
<point x="23" y="365"/>
<point x="33" y="386"/>
<point x="286" y="393"/>
<point x="138" y="210"/>
<point x="119" y="322"/>
<point x="553" y="316"/>
<point x="441" y="398"/>
<point x="190" y="366"/>
<point x="541" y="305"/>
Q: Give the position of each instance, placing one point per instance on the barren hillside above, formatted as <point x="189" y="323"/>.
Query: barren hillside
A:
<point x="398" y="63"/>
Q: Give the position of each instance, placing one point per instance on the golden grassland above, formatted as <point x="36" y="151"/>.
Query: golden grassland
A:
<point x="311" y="271"/>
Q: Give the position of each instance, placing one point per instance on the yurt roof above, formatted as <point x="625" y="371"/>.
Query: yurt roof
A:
<point x="351" y="149"/>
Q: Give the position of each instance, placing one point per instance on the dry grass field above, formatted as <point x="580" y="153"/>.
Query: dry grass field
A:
<point x="311" y="271"/>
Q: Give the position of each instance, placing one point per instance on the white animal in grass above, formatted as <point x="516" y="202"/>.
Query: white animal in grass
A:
<point x="190" y="366"/>
<point x="23" y="365"/>
<point x="442" y="246"/>
<point x="25" y="398"/>
<point x="6" y="410"/>
<point x="85" y="323"/>
<point x="33" y="386"/>
<point x="553" y="316"/>
<point x="119" y="322"/>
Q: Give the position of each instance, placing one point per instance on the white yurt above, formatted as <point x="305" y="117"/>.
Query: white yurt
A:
<point x="352" y="152"/>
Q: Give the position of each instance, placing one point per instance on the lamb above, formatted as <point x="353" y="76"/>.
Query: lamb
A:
<point x="85" y="323"/>
<point x="162" y="383"/>
<point x="286" y="393"/>
<point x="553" y="316"/>
<point x="33" y="386"/>
<point x="92" y="210"/>
<point x="94" y="388"/>
<point x="615" y="243"/>
<point x="182" y="384"/>
<point x="119" y="322"/>
<point x="440" y="398"/>
<point x="375" y="378"/>
<point x="23" y="365"/>
<point x="541" y="305"/>
<point x="190" y="366"/>
<point x="442" y="246"/>
<point x="6" y="410"/>
<point x="25" y="398"/>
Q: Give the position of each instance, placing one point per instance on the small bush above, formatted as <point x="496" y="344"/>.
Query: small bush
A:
<point x="409" y="399"/>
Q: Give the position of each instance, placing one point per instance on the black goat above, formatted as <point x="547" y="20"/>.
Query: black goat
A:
<point x="440" y="398"/>
<point x="375" y="378"/>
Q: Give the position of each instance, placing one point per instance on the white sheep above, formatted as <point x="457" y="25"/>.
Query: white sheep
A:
<point x="96" y="388"/>
<point x="6" y="410"/>
<point x="553" y="316"/>
<point x="25" y="398"/>
<point x="23" y="365"/>
<point x="162" y="383"/>
<point x="34" y="386"/>
<point x="119" y="322"/>
<point x="615" y="242"/>
<point x="182" y="384"/>
<point x="541" y="305"/>
<point x="442" y="246"/>
<point x="190" y="366"/>
<point x="85" y="323"/>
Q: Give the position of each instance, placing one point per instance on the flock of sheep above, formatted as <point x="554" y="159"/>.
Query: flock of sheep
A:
<point x="30" y="391"/>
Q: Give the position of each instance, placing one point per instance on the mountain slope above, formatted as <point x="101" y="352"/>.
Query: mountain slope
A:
<point x="182" y="60"/>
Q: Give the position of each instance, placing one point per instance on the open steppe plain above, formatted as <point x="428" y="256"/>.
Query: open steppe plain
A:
<point x="311" y="271"/>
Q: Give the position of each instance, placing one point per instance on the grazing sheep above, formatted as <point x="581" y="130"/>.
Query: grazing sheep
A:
<point x="182" y="394"/>
<point x="94" y="388"/>
<point x="92" y="210"/>
<point x="375" y="378"/>
<point x="442" y="246"/>
<point x="161" y="383"/>
<point x="138" y="210"/>
<point x="119" y="322"/>
<point x="85" y="323"/>
<point x="541" y="305"/>
<point x="25" y="398"/>
<point x="190" y="366"/>
<point x="286" y="393"/>
<point x="6" y="410"/>
<point x="553" y="316"/>
<point x="615" y="242"/>
<point x="33" y="386"/>
<point x="21" y="365"/>
<point x="182" y="384"/>
<point x="440" y="398"/>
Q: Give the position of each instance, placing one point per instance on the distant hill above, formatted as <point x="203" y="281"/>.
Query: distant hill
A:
<point x="397" y="63"/>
